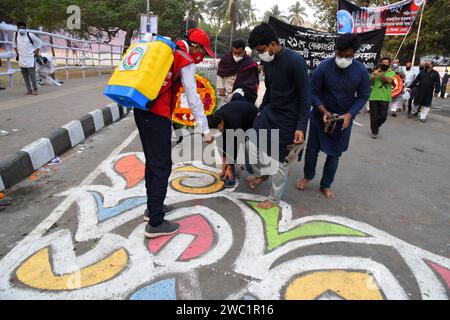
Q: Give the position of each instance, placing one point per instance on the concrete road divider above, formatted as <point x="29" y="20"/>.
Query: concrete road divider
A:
<point x="40" y="152"/>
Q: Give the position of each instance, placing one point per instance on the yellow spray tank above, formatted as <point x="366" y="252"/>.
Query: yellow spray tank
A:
<point x="140" y="75"/>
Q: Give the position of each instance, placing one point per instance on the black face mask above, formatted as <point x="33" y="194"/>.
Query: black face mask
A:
<point x="384" y="67"/>
<point x="408" y="68"/>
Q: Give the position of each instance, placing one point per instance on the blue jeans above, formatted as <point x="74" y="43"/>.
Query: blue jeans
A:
<point x="329" y="169"/>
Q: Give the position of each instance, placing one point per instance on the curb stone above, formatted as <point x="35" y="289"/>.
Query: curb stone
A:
<point x="35" y="155"/>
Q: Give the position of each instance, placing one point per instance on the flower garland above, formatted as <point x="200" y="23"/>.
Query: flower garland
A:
<point x="182" y="115"/>
<point x="397" y="86"/>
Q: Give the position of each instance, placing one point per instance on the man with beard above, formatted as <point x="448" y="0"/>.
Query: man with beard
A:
<point x="427" y="81"/>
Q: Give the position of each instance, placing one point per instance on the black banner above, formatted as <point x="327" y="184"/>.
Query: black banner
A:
<point x="316" y="46"/>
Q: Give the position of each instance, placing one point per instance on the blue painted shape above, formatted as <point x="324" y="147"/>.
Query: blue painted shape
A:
<point x="248" y="297"/>
<point x="162" y="290"/>
<point x="124" y="206"/>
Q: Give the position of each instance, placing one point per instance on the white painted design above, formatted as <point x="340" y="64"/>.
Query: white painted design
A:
<point x="253" y="261"/>
<point x="99" y="122"/>
<point x="40" y="151"/>
<point x="2" y="185"/>
<point x="76" y="133"/>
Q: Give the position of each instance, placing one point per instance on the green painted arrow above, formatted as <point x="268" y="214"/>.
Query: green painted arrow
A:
<point x="309" y="229"/>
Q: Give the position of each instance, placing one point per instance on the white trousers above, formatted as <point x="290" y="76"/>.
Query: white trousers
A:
<point x="423" y="111"/>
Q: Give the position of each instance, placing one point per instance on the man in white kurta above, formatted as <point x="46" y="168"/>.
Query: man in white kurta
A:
<point x="27" y="46"/>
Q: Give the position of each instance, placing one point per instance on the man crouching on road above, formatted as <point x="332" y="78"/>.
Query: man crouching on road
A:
<point x="155" y="128"/>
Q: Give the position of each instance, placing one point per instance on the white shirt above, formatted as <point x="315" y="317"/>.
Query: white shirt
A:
<point x="410" y="75"/>
<point x="26" y="49"/>
<point x="195" y="103"/>
<point x="48" y="68"/>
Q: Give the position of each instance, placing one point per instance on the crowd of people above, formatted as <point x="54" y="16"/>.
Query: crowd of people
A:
<point x="337" y="90"/>
<point x="328" y="99"/>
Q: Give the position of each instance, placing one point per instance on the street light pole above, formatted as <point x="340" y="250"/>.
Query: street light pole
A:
<point x="187" y="21"/>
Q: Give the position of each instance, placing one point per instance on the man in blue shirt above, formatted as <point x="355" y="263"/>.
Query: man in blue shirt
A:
<point x="339" y="86"/>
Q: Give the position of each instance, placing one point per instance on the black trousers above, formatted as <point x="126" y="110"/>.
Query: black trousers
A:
<point x="155" y="132"/>
<point x="411" y="99"/>
<point x="378" y="114"/>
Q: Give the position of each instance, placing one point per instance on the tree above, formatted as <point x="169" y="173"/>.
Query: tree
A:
<point x="237" y="12"/>
<point x="274" y="12"/>
<point x="297" y="12"/>
<point x="101" y="19"/>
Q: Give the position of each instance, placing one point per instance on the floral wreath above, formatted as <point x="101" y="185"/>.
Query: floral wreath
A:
<point x="184" y="116"/>
<point x="397" y="86"/>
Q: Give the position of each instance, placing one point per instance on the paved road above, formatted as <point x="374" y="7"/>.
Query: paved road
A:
<point x="77" y="231"/>
<point x="29" y="118"/>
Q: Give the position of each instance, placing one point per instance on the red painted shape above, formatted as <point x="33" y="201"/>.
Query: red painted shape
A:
<point x="195" y="225"/>
<point x="131" y="169"/>
<point x="443" y="272"/>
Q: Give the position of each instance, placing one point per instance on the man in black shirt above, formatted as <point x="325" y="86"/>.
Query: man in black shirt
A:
<point x="232" y="116"/>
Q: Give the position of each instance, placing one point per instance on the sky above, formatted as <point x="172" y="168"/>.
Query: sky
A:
<point x="264" y="5"/>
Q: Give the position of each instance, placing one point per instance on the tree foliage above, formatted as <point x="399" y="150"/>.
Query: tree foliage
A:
<point x="296" y="14"/>
<point x="434" y="37"/>
<point x="229" y="19"/>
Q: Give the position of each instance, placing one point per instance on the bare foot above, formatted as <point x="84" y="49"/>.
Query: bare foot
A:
<point x="253" y="182"/>
<point x="328" y="193"/>
<point x="303" y="183"/>
<point x="228" y="173"/>
<point x="266" y="205"/>
<point x="224" y="169"/>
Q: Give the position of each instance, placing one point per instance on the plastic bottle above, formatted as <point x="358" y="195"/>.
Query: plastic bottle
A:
<point x="141" y="73"/>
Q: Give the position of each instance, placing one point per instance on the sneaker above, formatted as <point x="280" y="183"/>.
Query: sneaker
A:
<point x="374" y="135"/>
<point x="423" y="120"/>
<point x="394" y="114"/>
<point x="229" y="183"/>
<point x="164" y="229"/>
<point x="166" y="209"/>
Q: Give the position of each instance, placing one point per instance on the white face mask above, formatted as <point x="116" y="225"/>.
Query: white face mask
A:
<point x="237" y="58"/>
<point x="343" y="62"/>
<point x="266" y="57"/>
<point x="22" y="32"/>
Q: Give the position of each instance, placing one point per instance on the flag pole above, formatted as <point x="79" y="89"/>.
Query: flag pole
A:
<point x="404" y="38"/>
<point x="418" y="32"/>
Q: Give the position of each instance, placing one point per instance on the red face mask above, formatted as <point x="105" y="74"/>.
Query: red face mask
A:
<point x="198" y="57"/>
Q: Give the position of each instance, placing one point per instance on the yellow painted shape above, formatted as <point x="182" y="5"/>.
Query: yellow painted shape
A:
<point x="350" y="285"/>
<point x="178" y="186"/>
<point x="37" y="272"/>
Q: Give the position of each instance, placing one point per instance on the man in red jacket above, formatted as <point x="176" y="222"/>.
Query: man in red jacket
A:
<point x="155" y="128"/>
